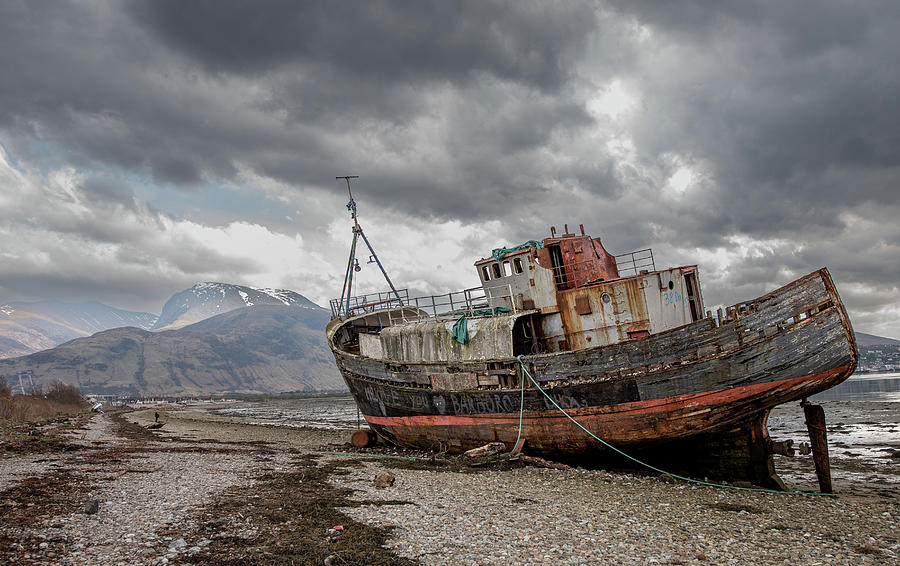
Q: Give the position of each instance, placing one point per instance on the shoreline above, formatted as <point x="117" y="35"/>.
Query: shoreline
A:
<point x="213" y="489"/>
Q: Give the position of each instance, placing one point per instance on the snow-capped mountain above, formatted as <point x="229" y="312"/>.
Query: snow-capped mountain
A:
<point x="205" y="300"/>
<point x="27" y="327"/>
<point x="259" y="349"/>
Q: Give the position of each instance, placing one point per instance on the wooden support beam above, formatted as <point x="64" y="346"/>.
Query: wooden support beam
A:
<point x="815" y="424"/>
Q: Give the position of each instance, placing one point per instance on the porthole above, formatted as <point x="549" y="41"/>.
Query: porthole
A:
<point x="671" y="285"/>
<point x="605" y="298"/>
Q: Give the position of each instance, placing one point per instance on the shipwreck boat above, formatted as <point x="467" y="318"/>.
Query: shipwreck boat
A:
<point x="624" y="348"/>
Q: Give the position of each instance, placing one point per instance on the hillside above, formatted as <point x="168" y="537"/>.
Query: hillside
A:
<point x="27" y="327"/>
<point x="863" y="339"/>
<point x="261" y="349"/>
<point x="205" y="300"/>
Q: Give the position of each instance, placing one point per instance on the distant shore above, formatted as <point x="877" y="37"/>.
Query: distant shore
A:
<point x="205" y="488"/>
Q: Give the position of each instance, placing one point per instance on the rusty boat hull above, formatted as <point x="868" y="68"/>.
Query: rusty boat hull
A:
<point x="704" y="388"/>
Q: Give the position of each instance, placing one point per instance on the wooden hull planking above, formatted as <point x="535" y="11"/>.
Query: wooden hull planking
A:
<point x="695" y="381"/>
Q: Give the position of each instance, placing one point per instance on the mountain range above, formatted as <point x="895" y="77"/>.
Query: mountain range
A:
<point x="258" y="349"/>
<point x="210" y="339"/>
<point x="27" y="327"/>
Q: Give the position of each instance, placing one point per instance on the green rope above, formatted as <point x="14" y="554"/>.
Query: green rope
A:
<point x="521" y="411"/>
<point x="632" y="458"/>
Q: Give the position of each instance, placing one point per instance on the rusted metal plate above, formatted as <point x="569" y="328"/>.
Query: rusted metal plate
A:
<point x="583" y="305"/>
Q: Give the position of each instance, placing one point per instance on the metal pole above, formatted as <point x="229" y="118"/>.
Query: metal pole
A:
<point x="381" y="267"/>
<point x="350" y="273"/>
<point x="349" y="267"/>
<point x="358" y="231"/>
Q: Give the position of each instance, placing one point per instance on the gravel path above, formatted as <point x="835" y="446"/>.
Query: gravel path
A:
<point x="147" y="494"/>
<point x="542" y="516"/>
<point x="160" y="499"/>
<point x="143" y="507"/>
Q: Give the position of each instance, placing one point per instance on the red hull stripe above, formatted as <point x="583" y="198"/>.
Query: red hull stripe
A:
<point x="689" y="404"/>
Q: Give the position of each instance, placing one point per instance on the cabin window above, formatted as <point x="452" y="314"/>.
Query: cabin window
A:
<point x="517" y="265"/>
<point x="506" y="269"/>
<point x="485" y="276"/>
<point x="495" y="269"/>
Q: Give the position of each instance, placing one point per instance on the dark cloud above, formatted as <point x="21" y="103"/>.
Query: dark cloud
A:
<point x="526" y="42"/>
<point x="791" y="104"/>
<point x="493" y="114"/>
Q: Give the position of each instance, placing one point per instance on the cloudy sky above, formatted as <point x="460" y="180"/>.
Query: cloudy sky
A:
<point x="147" y="146"/>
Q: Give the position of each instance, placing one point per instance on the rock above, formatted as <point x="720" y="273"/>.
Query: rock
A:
<point x="91" y="507"/>
<point x="384" y="479"/>
<point x="177" y="545"/>
<point x="329" y="560"/>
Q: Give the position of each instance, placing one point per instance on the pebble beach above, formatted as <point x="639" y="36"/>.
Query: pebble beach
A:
<point x="212" y="489"/>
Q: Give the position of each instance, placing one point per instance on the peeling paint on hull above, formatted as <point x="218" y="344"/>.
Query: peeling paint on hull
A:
<point x="699" y="381"/>
<point x="552" y="433"/>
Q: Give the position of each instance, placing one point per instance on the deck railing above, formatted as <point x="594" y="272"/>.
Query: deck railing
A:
<point x="473" y="302"/>
<point x="634" y="262"/>
<point x="370" y="302"/>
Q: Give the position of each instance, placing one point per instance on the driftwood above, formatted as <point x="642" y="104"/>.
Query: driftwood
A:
<point x="541" y="463"/>
<point x="486" y="450"/>
<point x="154" y="426"/>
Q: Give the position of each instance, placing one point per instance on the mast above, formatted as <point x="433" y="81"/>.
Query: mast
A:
<point x="353" y="262"/>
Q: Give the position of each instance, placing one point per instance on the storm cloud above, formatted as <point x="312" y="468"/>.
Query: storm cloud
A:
<point x="149" y="145"/>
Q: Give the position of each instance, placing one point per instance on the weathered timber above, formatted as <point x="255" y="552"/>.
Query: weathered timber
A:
<point x="363" y="438"/>
<point x="815" y="424"/>
<point x="542" y="463"/>
<point x="486" y="450"/>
